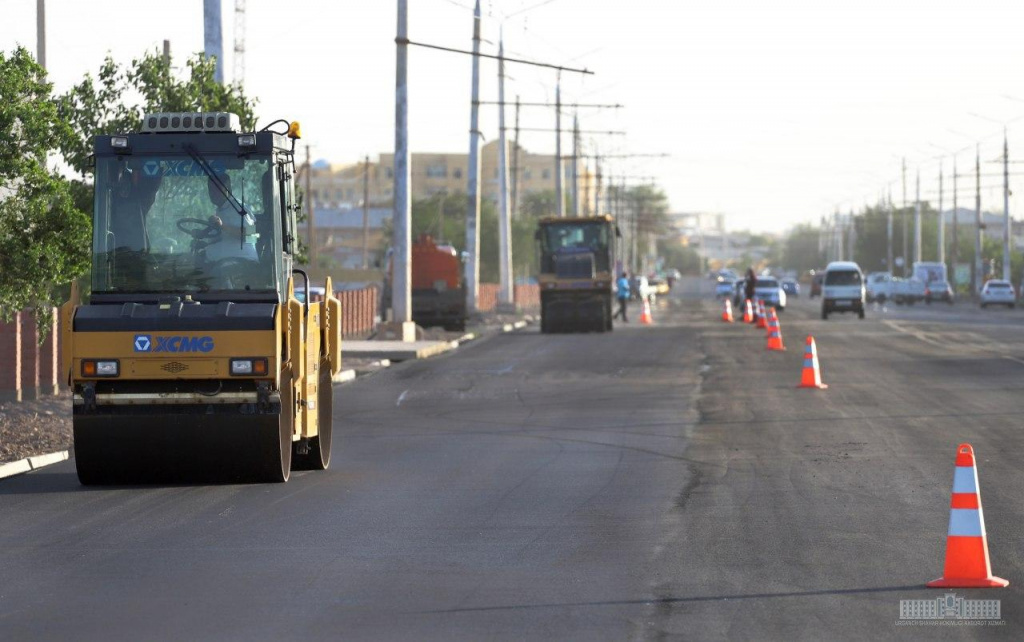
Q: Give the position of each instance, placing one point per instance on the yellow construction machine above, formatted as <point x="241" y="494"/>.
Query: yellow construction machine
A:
<point x="193" y="360"/>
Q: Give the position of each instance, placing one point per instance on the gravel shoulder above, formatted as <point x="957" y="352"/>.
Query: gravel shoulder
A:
<point x="36" y="427"/>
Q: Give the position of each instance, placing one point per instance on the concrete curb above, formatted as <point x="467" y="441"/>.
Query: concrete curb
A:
<point x="29" y="464"/>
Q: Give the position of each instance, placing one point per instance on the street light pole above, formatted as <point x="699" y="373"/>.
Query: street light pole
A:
<point x="472" y="266"/>
<point x="1006" y="207"/>
<point x="401" y="295"/>
<point x="505" y="292"/>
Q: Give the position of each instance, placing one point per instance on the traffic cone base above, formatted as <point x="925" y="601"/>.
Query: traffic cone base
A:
<point x="727" y="312"/>
<point x="761" y="321"/>
<point x="967" y="561"/>
<point x="645" y="316"/>
<point x="811" y="375"/>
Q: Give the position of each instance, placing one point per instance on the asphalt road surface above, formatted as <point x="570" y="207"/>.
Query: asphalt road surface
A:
<point x="660" y="482"/>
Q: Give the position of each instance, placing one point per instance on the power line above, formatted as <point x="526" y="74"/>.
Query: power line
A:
<point x="406" y="41"/>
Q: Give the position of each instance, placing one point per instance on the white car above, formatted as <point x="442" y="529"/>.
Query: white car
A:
<point x="767" y="289"/>
<point x="997" y="292"/>
<point x="842" y="290"/>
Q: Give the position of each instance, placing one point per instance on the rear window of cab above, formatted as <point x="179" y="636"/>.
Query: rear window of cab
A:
<point x="842" y="277"/>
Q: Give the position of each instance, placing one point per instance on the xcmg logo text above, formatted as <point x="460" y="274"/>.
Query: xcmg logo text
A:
<point x="149" y="343"/>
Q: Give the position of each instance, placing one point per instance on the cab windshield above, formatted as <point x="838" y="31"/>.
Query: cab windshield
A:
<point x="570" y="238"/>
<point x="163" y="224"/>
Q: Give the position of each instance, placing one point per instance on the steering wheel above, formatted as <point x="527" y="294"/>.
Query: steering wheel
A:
<point x="199" y="229"/>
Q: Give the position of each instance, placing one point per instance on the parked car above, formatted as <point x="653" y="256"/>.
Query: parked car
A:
<point x="938" y="291"/>
<point x="997" y="292"/>
<point x="878" y="287"/>
<point x="791" y="287"/>
<point x="767" y="289"/>
<point x="907" y="291"/>
<point x="842" y="289"/>
<point x="816" y="284"/>
<point x="725" y="289"/>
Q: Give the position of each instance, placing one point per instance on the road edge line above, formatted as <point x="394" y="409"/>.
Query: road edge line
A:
<point x="35" y="462"/>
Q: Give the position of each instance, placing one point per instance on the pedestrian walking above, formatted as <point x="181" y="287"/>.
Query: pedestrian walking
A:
<point x="622" y="294"/>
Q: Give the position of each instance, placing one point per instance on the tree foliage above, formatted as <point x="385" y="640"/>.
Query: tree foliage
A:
<point x="44" y="237"/>
<point x="119" y="96"/>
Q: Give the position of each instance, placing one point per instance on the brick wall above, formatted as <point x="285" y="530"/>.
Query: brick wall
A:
<point x="27" y="369"/>
<point x="358" y="310"/>
<point x="527" y="297"/>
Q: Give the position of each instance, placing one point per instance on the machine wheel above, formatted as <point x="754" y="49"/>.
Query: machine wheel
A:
<point x="318" y="457"/>
<point x="824" y="315"/>
<point x="860" y="313"/>
<point x="274" y="462"/>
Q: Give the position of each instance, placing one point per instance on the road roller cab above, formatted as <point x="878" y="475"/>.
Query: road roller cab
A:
<point x="193" y="359"/>
<point x="577" y="261"/>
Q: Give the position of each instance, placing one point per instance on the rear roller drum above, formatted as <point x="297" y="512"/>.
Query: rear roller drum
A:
<point x="318" y="454"/>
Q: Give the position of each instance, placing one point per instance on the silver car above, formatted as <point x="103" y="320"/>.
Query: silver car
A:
<point x="997" y="292"/>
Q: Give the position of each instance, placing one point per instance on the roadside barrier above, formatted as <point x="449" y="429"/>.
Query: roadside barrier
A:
<point x="727" y="312"/>
<point x="811" y="376"/>
<point x="645" y="316"/>
<point x="774" y="331"/>
<point x="748" y="312"/>
<point x="967" y="561"/>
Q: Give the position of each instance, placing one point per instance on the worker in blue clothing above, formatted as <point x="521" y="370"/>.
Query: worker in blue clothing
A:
<point x="622" y="294"/>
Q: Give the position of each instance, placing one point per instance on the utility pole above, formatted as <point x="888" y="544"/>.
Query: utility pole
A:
<point x="516" y="169"/>
<point x="575" y="188"/>
<point x="401" y="295"/>
<point x="888" y="232"/>
<point x="310" y="216"/>
<point x="597" y="184"/>
<point x="506" y="292"/>
<point x="41" y="33"/>
<point x="239" y="76"/>
<point x="976" y="271"/>
<point x="559" y="195"/>
<point x="472" y="267"/>
<point x="903" y="216"/>
<point x="213" y="39"/>
<point x="1006" y="207"/>
<point x="955" y="250"/>
<point x="917" y="218"/>
<point x="167" y="54"/>
<point x="366" y="213"/>
<point x="942" y="222"/>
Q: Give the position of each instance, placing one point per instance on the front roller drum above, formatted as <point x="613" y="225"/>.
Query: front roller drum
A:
<point x="183" y="444"/>
<point x="318" y="450"/>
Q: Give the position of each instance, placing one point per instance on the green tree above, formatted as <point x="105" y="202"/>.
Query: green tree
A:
<point x="44" y="238"/>
<point x="800" y="249"/>
<point x="118" y="98"/>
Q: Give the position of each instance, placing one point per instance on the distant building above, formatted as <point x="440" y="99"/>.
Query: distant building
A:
<point x="341" y="186"/>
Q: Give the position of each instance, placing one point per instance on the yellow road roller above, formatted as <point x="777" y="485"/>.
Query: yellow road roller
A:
<point x="193" y="359"/>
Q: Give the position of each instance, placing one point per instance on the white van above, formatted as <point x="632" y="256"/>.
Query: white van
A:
<point x="842" y="290"/>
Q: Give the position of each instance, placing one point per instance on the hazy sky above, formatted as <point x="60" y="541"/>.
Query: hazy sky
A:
<point x="774" y="112"/>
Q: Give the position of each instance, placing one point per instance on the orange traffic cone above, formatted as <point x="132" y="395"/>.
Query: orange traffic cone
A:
<point x="811" y="377"/>
<point x="748" y="313"/>
<point x="967" y="563"/>
<point x="774" y="331"/>
<point x="645" y="316"/>
<point x="727" y="312"/>
<point x="761" y="321"/>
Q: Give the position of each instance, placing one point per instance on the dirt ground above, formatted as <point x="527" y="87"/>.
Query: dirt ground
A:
<point x="35" y="427"/>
